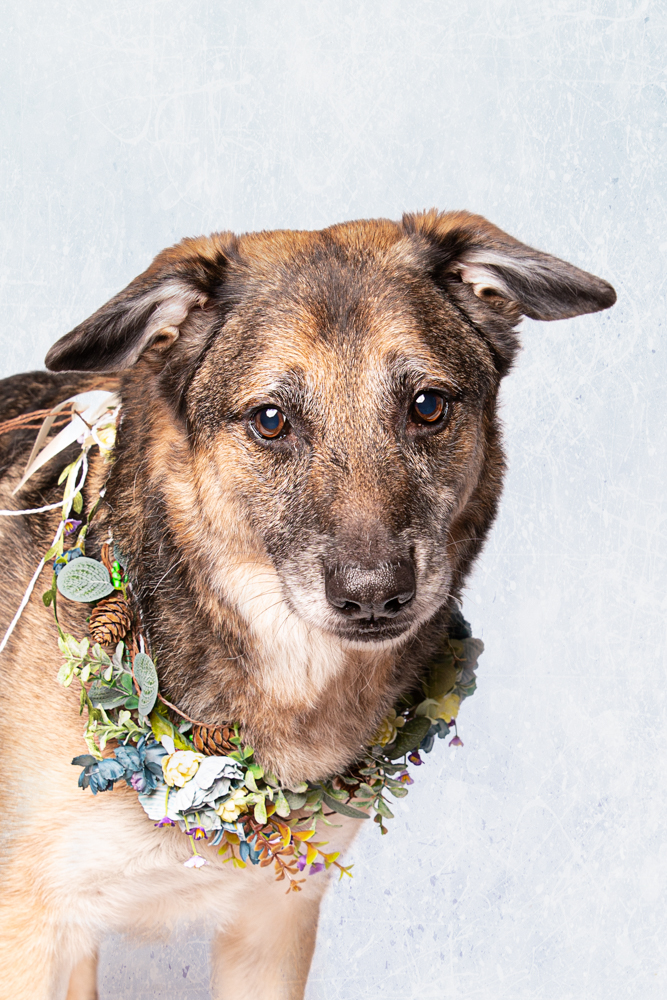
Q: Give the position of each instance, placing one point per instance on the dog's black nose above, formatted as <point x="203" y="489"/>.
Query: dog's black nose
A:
<point x="370" y="593"/>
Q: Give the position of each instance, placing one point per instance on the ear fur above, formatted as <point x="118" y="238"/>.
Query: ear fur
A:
<point x="150" y="311"/>
<point x="496" y="279"/>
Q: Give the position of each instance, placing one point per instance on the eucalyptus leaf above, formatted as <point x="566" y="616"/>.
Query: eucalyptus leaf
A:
<point x="343" y="809"/>
<point x="146" y="675"/>
<point x="84" y="580"/>
<point x="296" y="800"/>
<point x="106" y="697"/>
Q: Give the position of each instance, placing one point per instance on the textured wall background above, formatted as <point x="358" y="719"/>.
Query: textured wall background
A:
<point x="533" y="862"/>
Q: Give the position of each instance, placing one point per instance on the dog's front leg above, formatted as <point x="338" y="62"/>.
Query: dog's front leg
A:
<point x="267" y="947"/>
<point x="83" y="980"/>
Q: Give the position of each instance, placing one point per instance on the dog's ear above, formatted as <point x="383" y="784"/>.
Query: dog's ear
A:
<point x="496" y="280"/>
<point x="150" y="312"/>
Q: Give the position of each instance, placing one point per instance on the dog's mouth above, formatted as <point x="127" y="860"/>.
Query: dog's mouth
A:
<point x="369" y="630"/>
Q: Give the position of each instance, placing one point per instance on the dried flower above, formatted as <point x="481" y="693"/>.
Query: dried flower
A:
<point x="456" y="742"/>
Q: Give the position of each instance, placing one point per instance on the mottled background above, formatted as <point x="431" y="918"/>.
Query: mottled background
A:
<point x="532" y="863"/>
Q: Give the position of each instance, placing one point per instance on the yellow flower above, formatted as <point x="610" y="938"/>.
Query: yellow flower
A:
<point x="388" y="729"/>
<point x="448" y="707"/>
<point x="231" y="808"/>
<point x="180" y="766"/>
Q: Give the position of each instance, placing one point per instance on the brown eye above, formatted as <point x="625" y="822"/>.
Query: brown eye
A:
<point x="269" y="422"/>
<point x="428" y="408"/>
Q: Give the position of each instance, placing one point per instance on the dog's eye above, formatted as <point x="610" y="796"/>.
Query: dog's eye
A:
<point x="429" y="408"/>
<point x="269" y="422"/>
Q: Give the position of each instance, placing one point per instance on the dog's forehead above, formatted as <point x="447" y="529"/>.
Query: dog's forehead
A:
<point x="316" y="312"/>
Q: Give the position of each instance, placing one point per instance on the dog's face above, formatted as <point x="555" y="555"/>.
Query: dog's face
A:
<point x="348" y="379"/>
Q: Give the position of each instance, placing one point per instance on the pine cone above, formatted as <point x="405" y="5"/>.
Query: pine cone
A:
<point x="111" y="619"/>
<point x="213" y="742"/>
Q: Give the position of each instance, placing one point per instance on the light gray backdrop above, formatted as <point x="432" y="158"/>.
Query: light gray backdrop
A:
<point x="532" y="863"/>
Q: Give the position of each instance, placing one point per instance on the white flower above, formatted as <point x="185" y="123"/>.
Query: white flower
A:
<point x="212" y="780"/>
<point x="196" y="861"/>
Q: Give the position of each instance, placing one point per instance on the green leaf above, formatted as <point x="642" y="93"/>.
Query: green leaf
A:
<point x="384" y="810"/>
<point x="106" y="697"/>
<point x="77" y="503"/>
<point x="399" y="792"/>
<point x="65" y="473"/>
<point x="313" y="800"/>
<point x="442" y="675"/>
<point x="125" y="682"/>
<point x="84" y="580"/>
<point x="163" y="727"/>
<point x="250" y="781"/>
<point x="282" y="805"/>
<point x="247" y="752"/>
<point x="343" y="809"/>
<point x="409" y="737"/>
<point x="260" y="811"/>
<point x="257" y="771"/>
<point x="146" y="676"/>
<point x="47" y="598"/>
<point x="295" y="800"/>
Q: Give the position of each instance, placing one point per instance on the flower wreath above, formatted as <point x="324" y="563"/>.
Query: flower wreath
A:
<point x="205" y="778"/>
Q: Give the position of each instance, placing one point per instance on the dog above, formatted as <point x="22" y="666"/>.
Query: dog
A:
<point x="308" y="463"/>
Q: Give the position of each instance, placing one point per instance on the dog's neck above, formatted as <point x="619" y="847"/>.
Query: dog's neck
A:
<point x="227" y="644"/>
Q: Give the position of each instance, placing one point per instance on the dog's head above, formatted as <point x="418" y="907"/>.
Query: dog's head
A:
<point x="345" y="382"/>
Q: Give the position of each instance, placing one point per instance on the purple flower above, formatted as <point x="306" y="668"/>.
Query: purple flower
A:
<point x="404" y="778"/>
<point x="301" y="863"/>
<point x="414" y="757"/>
<point x="165" y="821"/>
<point x="197" y="833"/>
<point x="138" y="782"/>
<point x="317" y="867"/>
<point x="71" y="525"/>
<point x="456" y="742"/>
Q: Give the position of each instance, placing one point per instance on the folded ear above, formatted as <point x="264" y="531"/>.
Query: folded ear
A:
<point x="150" y="312"/>
<point x="496" y="280"/>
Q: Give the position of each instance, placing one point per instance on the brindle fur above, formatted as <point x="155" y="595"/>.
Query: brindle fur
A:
<point x="229" y="540"/>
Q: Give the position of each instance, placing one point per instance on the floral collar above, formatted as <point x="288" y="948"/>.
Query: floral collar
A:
<point x="205" y="779"/>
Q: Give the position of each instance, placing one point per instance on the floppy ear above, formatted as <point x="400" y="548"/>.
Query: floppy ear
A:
<point x="150" y="312"/>
<point x="496" y="280"/>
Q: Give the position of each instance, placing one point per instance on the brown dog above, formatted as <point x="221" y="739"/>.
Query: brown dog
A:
<point x="308" y="462"/>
